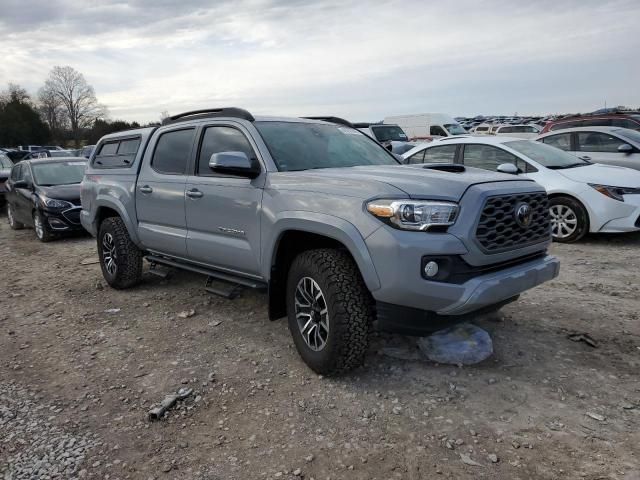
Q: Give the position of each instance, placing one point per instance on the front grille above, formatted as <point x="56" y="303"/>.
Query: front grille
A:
<point x="73" y="215"/>
<point x="498" y="230"/>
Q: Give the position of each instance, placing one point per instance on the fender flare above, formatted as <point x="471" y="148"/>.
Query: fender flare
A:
<point x="103" y="201"/>
<point x="326" y="225"/>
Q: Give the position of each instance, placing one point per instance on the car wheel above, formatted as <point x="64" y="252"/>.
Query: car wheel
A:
<point x="120" y="258"/>
<point x="569" y="219"/>
<point x="330" y="311"/>
<point x="40" y="227"/>
<point x="13" y="223"/>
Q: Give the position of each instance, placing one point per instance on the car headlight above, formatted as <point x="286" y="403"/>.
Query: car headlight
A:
<point x="615" y="192"/>
<point x="414" y="214"/>
<point x="55" y="203"/>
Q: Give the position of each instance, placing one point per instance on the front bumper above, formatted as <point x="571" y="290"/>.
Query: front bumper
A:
<point x="397" y="257"/>
<point x="626" y="215"/>
<point x="67" y="220"/>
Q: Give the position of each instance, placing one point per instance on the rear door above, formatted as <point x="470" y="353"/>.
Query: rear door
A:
<point x="603" y="148"/>
<point x="223" y="210"/>
<point x="160" y="191"/>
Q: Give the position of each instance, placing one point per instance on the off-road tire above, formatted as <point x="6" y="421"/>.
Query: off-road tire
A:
<point x="15" y="225"/>
<point x="128" y="256"/>
<point x="581" y="214"/>
<point x="350" y="309"/>
<point x="43" y="234"/>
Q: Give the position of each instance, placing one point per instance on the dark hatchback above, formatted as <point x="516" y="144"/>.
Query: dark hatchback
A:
<point x="45" y="194"/>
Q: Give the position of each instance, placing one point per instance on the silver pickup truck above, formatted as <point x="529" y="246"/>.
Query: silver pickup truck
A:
<point x="326" y="220"/>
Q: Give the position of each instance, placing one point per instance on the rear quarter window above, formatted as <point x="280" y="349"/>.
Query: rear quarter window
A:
<point x="120" y="153"/>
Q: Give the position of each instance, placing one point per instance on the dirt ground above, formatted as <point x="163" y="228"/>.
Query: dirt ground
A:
<point x="81" y="365"/>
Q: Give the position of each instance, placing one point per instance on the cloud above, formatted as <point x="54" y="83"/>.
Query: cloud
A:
<point x="362" y="60"/>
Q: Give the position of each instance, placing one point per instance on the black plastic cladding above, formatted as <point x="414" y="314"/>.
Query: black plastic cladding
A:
<point x="497" y="229"/>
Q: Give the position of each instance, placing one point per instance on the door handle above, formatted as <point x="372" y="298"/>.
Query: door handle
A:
<point x="146" y="189"/>
<point x="585" y="157"/>
<point x="195" y="193"/>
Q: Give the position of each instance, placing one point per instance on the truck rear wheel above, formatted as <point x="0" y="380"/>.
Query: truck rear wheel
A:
<point x="330" y="311"/>
<point x="120" y="258"/>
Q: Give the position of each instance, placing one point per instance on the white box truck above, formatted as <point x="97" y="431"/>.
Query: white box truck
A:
<point x="427" y="126"/>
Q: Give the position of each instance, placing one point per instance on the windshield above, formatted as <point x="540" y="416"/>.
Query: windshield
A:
<point x="546" y="155"/>
<point x="5" y="162"/>
<point x="50" y="174"/>
<point x="455" y="129"/>
<point x="385" y="133"/>
<point x="632" y="135"/>
<point x="304" y="146"/>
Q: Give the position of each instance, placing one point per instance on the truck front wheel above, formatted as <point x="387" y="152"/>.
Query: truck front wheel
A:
<point x="330" y="311"/>
<point x="120" y="258"/>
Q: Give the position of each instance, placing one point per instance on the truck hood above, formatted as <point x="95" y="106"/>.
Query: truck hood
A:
<point x="603" y="175"/>
<point x="377" y="181"/>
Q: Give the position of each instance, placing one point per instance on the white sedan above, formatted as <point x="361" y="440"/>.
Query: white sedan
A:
<point x="584" y="197"/>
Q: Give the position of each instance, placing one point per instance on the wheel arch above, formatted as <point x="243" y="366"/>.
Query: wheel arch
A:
<point x="107" y="209"/>
<point x="295" y="237"/>
<point x="570" y="196"/>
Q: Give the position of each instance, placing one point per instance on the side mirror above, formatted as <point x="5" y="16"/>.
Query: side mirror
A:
<point x="625" y="148"/>
<point x="22" y="184"/>
<point x="509" y="168"/>
<point x="233" y="163"/>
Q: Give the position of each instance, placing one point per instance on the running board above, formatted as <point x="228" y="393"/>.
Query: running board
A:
<point x="230" y="293"/>
<point x="223" y="276"/>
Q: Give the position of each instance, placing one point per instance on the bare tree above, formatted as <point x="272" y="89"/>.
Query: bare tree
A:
<point x="77" y="98"/>
<point x="52" y="111"/>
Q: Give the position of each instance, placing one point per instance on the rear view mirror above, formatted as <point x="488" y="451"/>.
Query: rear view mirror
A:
<point x="509" y="168"/>
<point x="625" y="148"/>
<point x="233" y="163"/>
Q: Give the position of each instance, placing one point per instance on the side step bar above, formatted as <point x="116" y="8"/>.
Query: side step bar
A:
<point x="223" y="276"/>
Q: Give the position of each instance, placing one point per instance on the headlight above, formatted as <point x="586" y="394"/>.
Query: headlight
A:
<point x="54" y="203"/>
<point x="615" y="192"/>
<point x="414" y="214"/>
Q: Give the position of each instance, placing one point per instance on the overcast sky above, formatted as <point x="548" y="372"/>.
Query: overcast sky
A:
<point x="363" y="60"/>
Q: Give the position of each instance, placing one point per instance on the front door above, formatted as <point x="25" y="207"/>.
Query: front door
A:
<point x="603" y="148"/>
<point x="23" y="197"/>
<point x="160" y="192"/>
<point x="223" y="211"/>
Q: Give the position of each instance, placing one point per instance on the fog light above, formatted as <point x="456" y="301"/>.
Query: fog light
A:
<point x="431" y="269"/>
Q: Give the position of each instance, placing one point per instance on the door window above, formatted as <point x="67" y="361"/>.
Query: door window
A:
<point x="561" y="141"/>
<point x="487" y="157"/>
<point x="172" y="152"/>
<point x="436" y="130"/>
<point x="417" y="157"/>
<point x="444" y="154"/>
<point x="221" y="139"/>
<point x="15" y="173"/>
<point x="624" y="123"/>
<point x="25" y="174"/>
<point x="598" y="142"/>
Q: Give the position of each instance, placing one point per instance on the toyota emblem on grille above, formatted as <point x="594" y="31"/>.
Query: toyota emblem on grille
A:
<point x="523" y="214"/>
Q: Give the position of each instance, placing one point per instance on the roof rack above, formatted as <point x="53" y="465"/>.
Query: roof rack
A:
<point x="208" y="113"/>
<point x="338" y="120"/>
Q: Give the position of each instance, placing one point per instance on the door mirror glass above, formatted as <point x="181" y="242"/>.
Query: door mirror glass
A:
<point x="625" y="148"/>
<point x="233" y="163"/>
<point x="509" y="168"/>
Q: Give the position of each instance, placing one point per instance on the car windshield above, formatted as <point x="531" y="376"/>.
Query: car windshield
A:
<point x="455" y="129"/>
<point x="546" y="155"/>
<point x="298" y="146"/>
<point x="5" y="162"/>
<point x="50" y="174"/>
<point x="632" y="135"/>
<point x="385" y="133"/>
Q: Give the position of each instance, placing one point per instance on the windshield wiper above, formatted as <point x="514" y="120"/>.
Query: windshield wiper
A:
<point x="570" y="165"/>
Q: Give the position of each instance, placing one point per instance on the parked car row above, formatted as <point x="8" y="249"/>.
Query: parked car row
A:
<point x="320" y="215"/>
<point x="583" y="196"/>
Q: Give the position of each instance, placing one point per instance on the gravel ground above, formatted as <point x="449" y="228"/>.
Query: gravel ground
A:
<point x="82" y="364"/>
